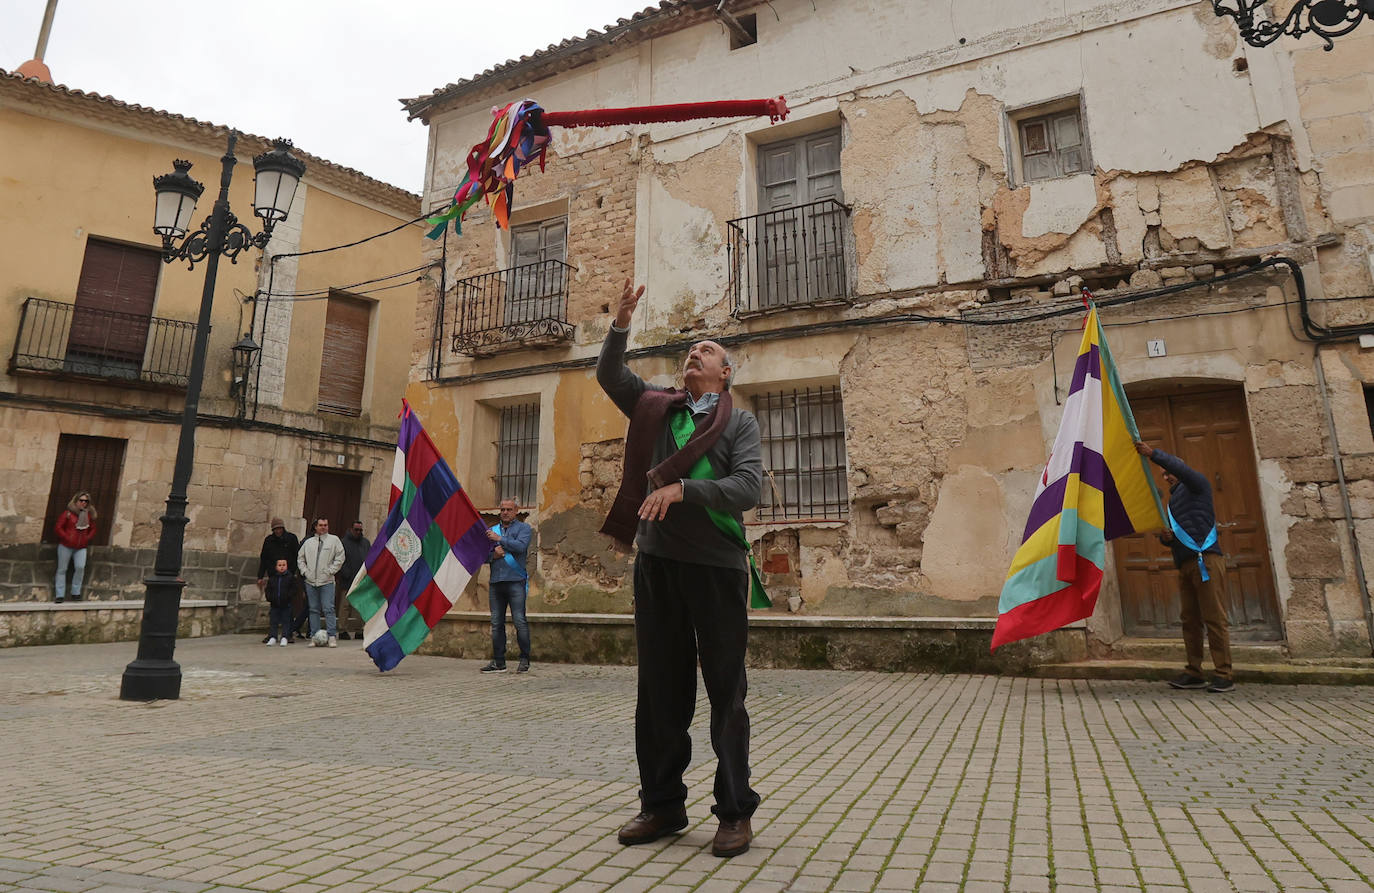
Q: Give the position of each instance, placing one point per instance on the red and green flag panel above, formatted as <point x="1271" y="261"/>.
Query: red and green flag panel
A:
<point x="431" y="544"/>
<point x="1095" y="488"/>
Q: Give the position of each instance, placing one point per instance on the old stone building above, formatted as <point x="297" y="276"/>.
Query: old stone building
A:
<point x="99" y="333"/>
<point x="883" y="265"/>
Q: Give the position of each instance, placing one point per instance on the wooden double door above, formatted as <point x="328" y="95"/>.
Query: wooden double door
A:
<point x="1210" y="431"/>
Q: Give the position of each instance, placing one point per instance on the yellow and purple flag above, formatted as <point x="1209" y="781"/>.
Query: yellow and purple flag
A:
<point x="1095" y="488"/>
<point x="430" y="545"/>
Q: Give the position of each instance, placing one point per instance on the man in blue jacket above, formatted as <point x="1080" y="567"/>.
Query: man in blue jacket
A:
<point x="510" y="541"/>
<point x="1192" y="537"/>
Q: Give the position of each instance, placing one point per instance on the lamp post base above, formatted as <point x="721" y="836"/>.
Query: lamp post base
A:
<point x="153" y="675"/>
<point x="151" y="680"/>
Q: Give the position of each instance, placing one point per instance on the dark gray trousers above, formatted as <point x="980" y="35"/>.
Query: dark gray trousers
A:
<point x="684" y="611"/>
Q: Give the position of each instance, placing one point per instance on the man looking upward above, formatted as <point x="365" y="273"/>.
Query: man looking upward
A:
<point x="692" y="466"/>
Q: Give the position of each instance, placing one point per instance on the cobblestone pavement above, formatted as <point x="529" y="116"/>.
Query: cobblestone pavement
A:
<point x="304" y="769"/>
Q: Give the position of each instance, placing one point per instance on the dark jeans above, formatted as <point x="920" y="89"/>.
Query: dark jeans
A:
<point x="279" y="618"/>
<point x="683" y="611"/>
<point x="499" y="595"/>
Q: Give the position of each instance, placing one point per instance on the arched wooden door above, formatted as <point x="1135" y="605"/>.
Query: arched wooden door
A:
<point x="1210" y="431"/>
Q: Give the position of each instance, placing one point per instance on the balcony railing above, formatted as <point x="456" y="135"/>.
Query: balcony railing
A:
<point x="794" y="257"/>
<point x="65" y="339"/>
<point x="525" y="305"/>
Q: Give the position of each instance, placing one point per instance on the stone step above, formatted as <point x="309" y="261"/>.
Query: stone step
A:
<point x="1140" y="649"/>
<point x="46" y="623"/>
<point x="1346" y="671"/>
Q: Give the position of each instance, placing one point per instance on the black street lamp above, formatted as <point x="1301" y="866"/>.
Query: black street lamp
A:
<point x="153" y="674"/>
<point x="1324" y="18"/>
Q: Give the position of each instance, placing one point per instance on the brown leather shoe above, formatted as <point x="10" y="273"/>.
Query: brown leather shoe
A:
<point x="732" y="838"/>
<point x="650" y="826"/>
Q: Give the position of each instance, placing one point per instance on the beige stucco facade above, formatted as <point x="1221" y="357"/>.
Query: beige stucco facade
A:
<point x="78" y="166"/>
<point x="1207" y="157"/>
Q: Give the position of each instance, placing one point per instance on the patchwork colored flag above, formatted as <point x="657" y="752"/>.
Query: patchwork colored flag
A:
<point x="431" y="544"/>
<point x="1095" y="488"/>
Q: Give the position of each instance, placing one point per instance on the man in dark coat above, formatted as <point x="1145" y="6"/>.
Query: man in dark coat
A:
<point x="356" y="546"/>
<point x="280" y="543"/>
<point x="1192" y="537"/>
<point x="693" y="465"/>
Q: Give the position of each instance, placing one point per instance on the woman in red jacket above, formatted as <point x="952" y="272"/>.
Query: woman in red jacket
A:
<point x="75" y="527"/>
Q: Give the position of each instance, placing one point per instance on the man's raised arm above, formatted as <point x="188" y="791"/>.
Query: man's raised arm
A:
<point x="615" y="378"/>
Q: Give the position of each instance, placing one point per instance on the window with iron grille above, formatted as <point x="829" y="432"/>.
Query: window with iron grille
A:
<point x="1051" y="140"/>
<point x="85" y="463"/>
<point x="804" y="463"/>
<point x="798" y="236"/>
<point x="517" y="454"/>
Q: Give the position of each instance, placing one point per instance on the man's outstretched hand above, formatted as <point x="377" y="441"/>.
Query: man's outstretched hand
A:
<point x="629" y="299"/>
<point x="1144" y="448"/>
<point x="655" y="505"/>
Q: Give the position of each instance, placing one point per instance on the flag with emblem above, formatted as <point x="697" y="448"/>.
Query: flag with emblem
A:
<point x="431" y="544"/>
<point x="1095" y="488"/>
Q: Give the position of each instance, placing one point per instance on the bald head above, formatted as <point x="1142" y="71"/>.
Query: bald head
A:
<point x="707" y="369"/>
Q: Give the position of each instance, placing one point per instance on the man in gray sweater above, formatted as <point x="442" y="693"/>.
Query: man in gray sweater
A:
<point x="693" y="465"/>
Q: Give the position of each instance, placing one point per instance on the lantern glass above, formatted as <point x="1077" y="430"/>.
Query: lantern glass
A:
<point x="172" y="216"/>
<point x="275" y="191"/>
<point x="278" y="174"/>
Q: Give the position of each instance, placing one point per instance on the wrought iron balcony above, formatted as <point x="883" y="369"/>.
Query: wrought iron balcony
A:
<point x="793" y="257"/>
<point x="66" y="339"/>
<point x="525" y="305"/>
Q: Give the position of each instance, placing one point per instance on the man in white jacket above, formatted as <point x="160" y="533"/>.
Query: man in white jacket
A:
<point x="320" y="558"/>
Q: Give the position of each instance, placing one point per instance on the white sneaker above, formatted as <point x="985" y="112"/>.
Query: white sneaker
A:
<point x="284" y="641"/>
<point x="271" y="640"/>
<point x="333" y="642"/>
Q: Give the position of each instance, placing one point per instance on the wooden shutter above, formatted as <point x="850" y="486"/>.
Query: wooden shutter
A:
<point x="85" y="463"/>
<point x="114" y="301"/>
<point x="533" y="292"/>
<point x="343" y="364"/>
<point x="800" y="259"/>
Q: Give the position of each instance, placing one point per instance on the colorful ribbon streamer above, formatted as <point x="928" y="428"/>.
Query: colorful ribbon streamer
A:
<point x="519" y="135"/>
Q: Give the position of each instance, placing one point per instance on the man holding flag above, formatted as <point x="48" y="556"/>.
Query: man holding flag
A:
<point x="510" y="545"/>
<point x="1192" y="537"/>
<point x="693" y="465"/>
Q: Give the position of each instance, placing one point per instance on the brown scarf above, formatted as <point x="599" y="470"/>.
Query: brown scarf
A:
<point x="646" y="425"/>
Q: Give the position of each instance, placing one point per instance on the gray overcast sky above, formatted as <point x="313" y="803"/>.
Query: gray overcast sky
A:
<point x="323" y="73"/>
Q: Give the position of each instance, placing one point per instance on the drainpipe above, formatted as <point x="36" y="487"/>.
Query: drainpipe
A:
<point x="1345" y="493"/>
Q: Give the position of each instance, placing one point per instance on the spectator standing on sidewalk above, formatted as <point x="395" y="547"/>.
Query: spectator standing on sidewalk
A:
<point x="75" y="528"/>
<point x="319" y="560"/>
<point x="280" y="543"/>
<point x="280" y="590"/>
<point x="356" y="546"/>
<point x="1192" y="537"/>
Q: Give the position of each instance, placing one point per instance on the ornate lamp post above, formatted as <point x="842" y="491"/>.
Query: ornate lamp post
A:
<point x="153" y="674"/>
<point x="1324" y="18"/>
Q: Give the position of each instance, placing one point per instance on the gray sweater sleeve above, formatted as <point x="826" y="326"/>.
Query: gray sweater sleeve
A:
<point x="739" y="488"/>
<point x="615" y="378"/>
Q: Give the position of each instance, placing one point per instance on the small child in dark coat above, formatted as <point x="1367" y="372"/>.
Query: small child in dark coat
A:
<point x="280" y="589"/>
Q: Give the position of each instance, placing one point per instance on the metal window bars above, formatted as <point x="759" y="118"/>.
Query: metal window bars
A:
<point x="791" y="257"/>
<point x="517" y="454"/>
<point x="526" y="304"/>
<point x="67" y="339"/>
<point x="805" y="466"/>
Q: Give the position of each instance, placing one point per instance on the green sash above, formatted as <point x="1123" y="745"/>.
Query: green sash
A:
<point x="682" y="426"/>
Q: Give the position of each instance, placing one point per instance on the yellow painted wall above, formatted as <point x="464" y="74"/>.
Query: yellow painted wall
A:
<point x="63" y="183"/>
<point x="332" y="220"/>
